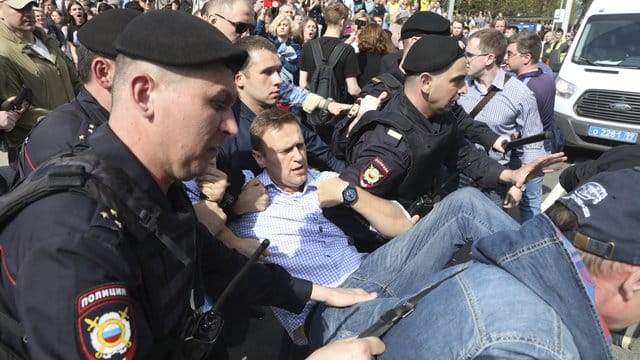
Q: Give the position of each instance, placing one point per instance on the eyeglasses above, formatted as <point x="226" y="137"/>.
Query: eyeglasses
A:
<point x="512" y="54"/>
<point x="470" y="56"/>
<point x="240" y="27"/>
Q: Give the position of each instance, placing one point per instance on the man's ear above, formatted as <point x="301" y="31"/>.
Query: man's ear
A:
<point x="426" y="81"/>
<point x="239" y="78"/>
<point x="491" y="59"/>
<point x="259" y="158"/>
<point x="631" y="286"/>
<point x="141" y="88"/>
<point x="102" y="71"/>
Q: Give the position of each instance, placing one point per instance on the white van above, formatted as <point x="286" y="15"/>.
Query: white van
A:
<point x="598" y="87"/>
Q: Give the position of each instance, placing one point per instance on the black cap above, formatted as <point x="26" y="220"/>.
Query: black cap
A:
<point x="425" y="23"/>
<point x="176" y="38"/>
<point x="608" y="215"/>
<point x="432" y="53"/>
<point x="99" y="34"/>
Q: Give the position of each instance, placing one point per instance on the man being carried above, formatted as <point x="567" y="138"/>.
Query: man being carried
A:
<point x="312" y="247"/>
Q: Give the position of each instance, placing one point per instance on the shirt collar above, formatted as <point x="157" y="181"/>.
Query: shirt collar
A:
<point x="310" y="185"/>
<point x="537" y="72"/>
<point x="498" y="82"/>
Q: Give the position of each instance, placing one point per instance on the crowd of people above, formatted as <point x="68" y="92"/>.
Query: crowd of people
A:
<point x="160" y="143"/>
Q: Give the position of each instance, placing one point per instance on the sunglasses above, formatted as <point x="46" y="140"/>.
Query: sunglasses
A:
<point x="240" y="27"/>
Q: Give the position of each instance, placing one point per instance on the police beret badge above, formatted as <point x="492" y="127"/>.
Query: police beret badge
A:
<point x="105" y="323"/>
<point x="373" y="173"/>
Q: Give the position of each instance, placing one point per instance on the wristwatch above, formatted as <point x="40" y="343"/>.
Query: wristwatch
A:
<point x="349" y="195"/>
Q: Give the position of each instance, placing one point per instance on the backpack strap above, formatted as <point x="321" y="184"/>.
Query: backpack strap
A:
<point x="318" y="57"/>
<point x="337" y="53"/>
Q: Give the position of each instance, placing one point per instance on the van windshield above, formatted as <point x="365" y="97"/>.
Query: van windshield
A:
<point x="610" y="40"/>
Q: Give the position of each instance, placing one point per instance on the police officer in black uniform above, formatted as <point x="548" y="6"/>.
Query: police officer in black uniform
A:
<point x="398" y="155"/>
<point x="420" y="24"/>
<point x="74" y="122"/>
<point x="76" y="278"/>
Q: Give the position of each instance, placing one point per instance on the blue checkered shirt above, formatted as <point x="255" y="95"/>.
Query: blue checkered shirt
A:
<point x="514" y="107"/>
<point x="303" y="241"/>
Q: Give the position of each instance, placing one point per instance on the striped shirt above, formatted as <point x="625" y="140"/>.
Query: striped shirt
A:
<point x="303" y="241"/>
<point x="513" y="108"/>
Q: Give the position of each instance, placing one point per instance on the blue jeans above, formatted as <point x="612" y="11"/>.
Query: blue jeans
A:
<point x="402" y="267"/>
<point x="531" y="199"/>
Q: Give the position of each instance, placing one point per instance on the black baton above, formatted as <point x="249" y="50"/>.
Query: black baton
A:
<point x="508" y="145"/>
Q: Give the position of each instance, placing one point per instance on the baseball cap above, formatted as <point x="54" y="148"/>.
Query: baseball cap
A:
<point x="608" y="216"/>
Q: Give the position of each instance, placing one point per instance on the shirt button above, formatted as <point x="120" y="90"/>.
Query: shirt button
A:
<point x="320" y="229"/>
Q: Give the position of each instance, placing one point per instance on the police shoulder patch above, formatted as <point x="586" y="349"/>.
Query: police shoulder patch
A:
<point x="105" y="323"/>
<point x="373" y="173"/>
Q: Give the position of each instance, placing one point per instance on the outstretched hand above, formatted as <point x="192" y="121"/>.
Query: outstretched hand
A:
<point x="536" y="168"/>
<point x="340" y="297"/>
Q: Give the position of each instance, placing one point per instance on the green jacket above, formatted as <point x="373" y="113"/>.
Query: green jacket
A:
<point x="53" y="83"/>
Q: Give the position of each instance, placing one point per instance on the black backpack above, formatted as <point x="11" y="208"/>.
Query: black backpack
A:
<point x="323" y="81"/>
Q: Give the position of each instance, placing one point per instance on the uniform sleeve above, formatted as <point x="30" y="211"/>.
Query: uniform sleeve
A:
<point x="378" y="162"/>
<point x="477" y="132"/>
<point x="73" y="301"/>
<point x="477" y="164"/>
<point x="263" y="284"/>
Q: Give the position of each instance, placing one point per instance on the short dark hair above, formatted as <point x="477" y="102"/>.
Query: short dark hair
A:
<point x="268" y="119"/>
<point x="85" y="59"/>
<point x="133" y="5"/>
<point x="255" y="42"/>
<point x="528" y="43"/>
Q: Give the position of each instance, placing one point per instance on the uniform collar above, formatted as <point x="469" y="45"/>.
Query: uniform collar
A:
<point x="97" y="114"/>
<point x="108" y="147"/>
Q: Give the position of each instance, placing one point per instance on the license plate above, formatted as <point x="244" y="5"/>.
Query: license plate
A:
<point x="618" y="135"/>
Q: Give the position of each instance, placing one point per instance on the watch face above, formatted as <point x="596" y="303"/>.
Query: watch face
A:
<point x="350" y="195"/>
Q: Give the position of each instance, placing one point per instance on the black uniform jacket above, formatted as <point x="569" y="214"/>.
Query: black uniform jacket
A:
<point x="60" y="130"/>
<point x="380" y="159"/>
<point x="82" y="287"/>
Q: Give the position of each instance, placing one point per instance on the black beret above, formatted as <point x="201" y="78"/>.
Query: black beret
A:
<point x="432" y="53"/>
<point x="175" y="38"/>
<point x="99" y="34"/>
<point x="425" y="23"/>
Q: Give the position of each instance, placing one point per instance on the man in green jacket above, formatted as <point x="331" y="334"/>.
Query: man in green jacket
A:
<point x="28" y="56"/>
